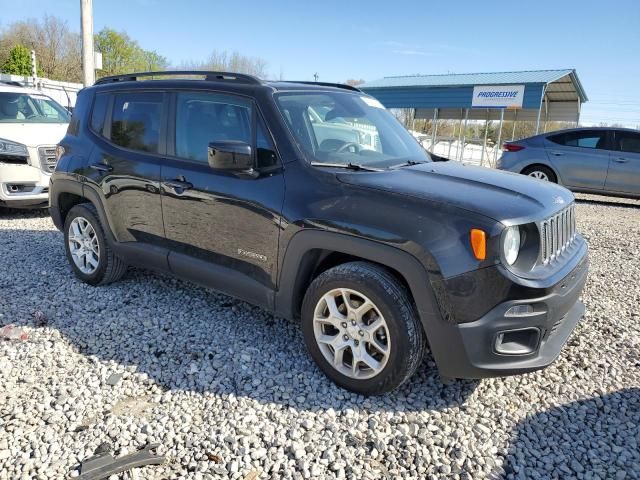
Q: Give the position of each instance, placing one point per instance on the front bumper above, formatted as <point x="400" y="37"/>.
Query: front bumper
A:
<point x="475" y="349"/>
<point x="23" y="186"/>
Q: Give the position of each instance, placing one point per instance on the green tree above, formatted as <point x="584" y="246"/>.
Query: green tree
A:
<point x="154" y="61"/>
<point x="19" y="61"/>
<point x="122" y="54"/>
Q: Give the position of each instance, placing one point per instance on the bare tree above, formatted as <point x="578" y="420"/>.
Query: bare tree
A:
<point x="222" y="60"/>
<point x="58" y="49"/>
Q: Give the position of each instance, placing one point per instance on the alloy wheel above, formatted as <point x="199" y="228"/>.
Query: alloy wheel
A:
<point x="540" y="175"/>
<point x="83" y="245"/>
<point x="351" y="333"/>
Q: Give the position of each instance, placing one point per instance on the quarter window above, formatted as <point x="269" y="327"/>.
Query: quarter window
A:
<point x="99" y="112"/>
<point x="135" y="122"/>
<point x="582" y="139"/>
<point x="628" y="142"/>
<point x="202" y="118"/>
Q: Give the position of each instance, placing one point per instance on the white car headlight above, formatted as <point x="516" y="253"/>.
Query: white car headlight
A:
<point x="511" y="244"/>
<point x="12" y="148"/>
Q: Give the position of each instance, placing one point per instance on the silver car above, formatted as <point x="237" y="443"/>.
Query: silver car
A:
<point x="591" y="160"/>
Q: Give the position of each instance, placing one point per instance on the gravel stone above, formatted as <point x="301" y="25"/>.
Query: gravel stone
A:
<point x="210" y="377"/>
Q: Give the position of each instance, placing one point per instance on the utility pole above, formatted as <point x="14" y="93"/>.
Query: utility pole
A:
<point x="34" y="67"/>
<point x="315" y="77"/>
<point x="88" y="69"/>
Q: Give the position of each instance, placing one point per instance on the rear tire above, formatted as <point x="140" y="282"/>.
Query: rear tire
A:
<point x="89" y="254"/>
<point x="359" y="313"/>
<point x="540" y="172"/>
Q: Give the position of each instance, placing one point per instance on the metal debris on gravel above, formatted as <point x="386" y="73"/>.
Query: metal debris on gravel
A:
<point x="230" y="392"/>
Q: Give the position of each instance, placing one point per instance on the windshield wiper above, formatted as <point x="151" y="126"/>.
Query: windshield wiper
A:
<point x="349" y="166"/>
<point x="409" y="163"/>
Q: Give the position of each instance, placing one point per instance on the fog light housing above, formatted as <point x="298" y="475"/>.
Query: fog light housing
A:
<point x="521" y="341"/>
<point x="519" y="311"/>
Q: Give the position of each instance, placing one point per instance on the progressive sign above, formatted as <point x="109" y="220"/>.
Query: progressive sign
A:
<point x="498" y="96"/>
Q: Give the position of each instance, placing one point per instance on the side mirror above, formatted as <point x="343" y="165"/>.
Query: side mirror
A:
<point x="230" y="155"/>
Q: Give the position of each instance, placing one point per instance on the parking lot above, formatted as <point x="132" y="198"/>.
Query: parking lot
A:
<point x="228" y="391"/>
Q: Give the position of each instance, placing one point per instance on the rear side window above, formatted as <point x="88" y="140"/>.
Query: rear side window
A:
<point x="99" y="112"/>
<point x="628" y="142"/>
<point x="582" y="139"/>
<point x="202" y="118"/>
<point x="135" y="122"/>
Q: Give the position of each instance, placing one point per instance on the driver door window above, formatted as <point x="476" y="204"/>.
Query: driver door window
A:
<point x="202" y="118"/>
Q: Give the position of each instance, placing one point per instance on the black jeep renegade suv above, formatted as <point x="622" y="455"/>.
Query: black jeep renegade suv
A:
<point x="312" y="201"/>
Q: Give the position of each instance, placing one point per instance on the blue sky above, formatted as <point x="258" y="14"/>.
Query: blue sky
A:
<point x="343" y="39"/>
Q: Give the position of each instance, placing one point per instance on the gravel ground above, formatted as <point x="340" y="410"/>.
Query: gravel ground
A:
<point x="229" y="391"/>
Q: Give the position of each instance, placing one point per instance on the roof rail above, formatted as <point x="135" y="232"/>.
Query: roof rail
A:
<point x="326" y="84"/>
<point x="210" y="76"/>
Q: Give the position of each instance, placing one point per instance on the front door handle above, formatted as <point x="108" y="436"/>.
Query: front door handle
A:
<point x="621" y="160"/>
<point x="101" y="167"/>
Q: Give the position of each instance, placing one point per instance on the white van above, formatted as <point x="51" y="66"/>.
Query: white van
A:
<point x="31" y="125"/>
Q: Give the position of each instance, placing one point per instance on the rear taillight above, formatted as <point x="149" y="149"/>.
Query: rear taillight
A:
<point x="512" y="147"/>
<point x="59" y="152"/>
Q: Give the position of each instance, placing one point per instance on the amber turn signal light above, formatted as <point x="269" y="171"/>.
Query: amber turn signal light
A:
<point x="479" y="243"/>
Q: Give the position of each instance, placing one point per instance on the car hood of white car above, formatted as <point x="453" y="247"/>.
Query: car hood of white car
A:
<point x="33" y="134"/>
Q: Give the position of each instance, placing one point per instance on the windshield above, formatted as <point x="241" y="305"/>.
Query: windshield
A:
<point x="26" y="108"/>
<point x="343" y="128"/>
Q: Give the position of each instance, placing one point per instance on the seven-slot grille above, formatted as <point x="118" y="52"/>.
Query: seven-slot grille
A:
<point x="557" y="233"/>
<point x="47" y="158"/>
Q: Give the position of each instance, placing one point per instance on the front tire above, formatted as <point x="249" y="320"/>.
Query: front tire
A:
<point x="361" y="328"/>
<point x="540" y="172"/>
<point x="90" y="256"/>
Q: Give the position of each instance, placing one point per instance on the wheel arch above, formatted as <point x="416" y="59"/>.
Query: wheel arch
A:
<point x="311" y="252"/>
<point x="66" y="193"/>
<point x="545" y="165"/>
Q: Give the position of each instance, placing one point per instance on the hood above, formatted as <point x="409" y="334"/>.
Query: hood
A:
<point x="33" y="134"/>
<point x="507" y="197"/>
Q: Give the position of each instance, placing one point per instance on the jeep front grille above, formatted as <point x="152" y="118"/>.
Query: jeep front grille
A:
<point x="47" y="158"/>
<point x="557" y="233"/>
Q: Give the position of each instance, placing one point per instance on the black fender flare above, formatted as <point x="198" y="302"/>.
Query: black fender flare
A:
<point x="92" y="196"/>
<point x="58" y="187"/>
<point x="437" y="330"/>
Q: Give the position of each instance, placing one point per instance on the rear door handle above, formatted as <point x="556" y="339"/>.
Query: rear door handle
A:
<point x="621" y="160"/>
<point x="557" y="154"/>
<point x="101" y="167"/>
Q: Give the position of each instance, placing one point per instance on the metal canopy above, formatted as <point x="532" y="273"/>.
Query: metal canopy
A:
<point x="557" y="93"/>
<point x="543" y="96"/>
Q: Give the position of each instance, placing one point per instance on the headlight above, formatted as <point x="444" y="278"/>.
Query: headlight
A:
<point x="511" y="244"/>
<point x="12" y="148"/>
